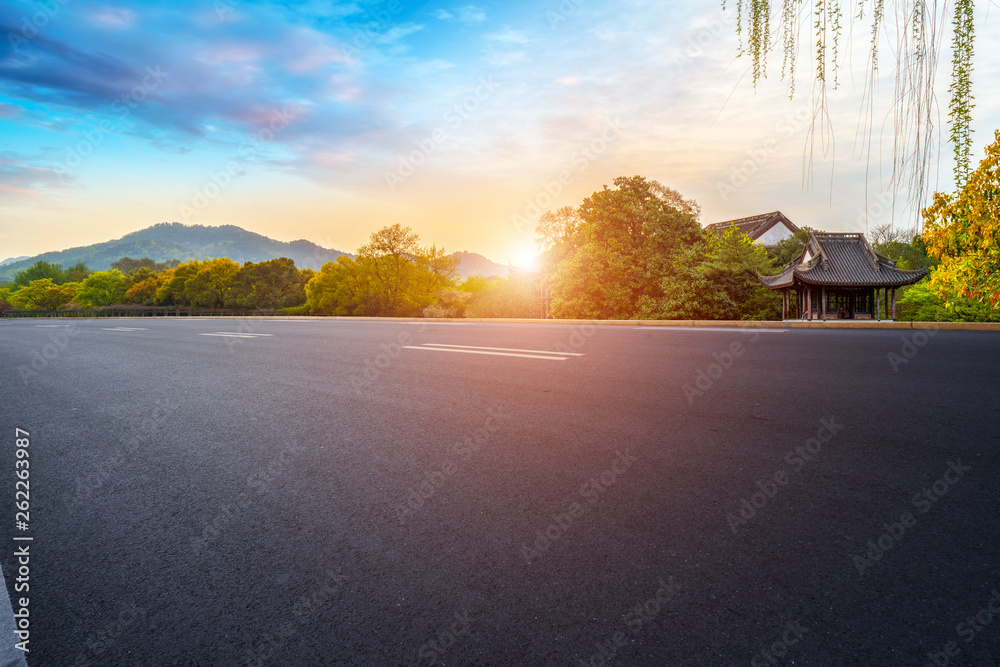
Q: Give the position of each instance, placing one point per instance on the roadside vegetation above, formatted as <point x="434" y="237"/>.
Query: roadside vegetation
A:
<point x="632" y="251"/>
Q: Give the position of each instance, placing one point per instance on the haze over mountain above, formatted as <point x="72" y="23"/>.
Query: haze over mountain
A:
<point x="173" y="240"/>
<point x="474" y="264"/>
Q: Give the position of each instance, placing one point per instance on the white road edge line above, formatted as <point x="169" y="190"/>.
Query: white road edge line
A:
<point x="507" y="349"/>
<point x="498" y="354"/>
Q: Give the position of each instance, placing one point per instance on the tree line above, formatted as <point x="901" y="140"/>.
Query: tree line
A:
<point x="632" y="251"/>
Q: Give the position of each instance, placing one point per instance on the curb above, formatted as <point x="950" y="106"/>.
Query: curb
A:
<point x="741" y="324"/>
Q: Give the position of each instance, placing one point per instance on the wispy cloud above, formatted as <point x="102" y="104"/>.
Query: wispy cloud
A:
<point x="113" y="17"/>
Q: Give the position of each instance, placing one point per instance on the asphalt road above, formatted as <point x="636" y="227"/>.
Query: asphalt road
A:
<point x="370" y="493"/>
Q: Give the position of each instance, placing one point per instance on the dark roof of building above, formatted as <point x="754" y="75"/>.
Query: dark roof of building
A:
<point x="755" y="225"/>
<point x="844" y="260"/>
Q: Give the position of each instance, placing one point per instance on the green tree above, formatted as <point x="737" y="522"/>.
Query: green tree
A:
<point x="731" y="266"/>
<point x="173" y="286"/>
<point x="42" y="294"/>
<point x="143" y="291"/>
<point x="392" y="276"/>
<point x="39" y="271"/>
<point x="614" y="254"/>
<point x="128" y="265"/>
<point x="270" y="285"/>
<point x="344" y="287"/>
<point x="963" y="232"/>
<point x="104" y="288"/>
<point x="434" y="282"/>
<point x="790" y="248"/>
<point x="209" y="285"/>
<point x="392" y="253"/>
<point x="77" y="273"/>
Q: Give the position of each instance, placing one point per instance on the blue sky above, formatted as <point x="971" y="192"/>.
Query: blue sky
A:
<point x="327" y="121"/>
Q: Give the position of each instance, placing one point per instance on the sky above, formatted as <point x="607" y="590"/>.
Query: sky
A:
<point x="327" y="121"/>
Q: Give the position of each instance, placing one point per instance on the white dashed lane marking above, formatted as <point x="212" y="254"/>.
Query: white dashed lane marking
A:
<point x="496" y="351"/>
<point x="235" y="334"/>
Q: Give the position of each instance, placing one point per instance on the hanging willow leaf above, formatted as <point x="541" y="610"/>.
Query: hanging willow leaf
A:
<point x="916" y="28"/>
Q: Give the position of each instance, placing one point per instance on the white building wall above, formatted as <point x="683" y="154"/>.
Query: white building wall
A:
<point x="775" y="234"/>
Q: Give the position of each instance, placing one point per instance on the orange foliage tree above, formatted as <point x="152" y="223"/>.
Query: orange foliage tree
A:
<point x="963" y="231"/>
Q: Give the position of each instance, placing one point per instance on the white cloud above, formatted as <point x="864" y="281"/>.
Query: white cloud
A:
<point x="471" y="14"/>
<point x="508" y="36"/>
<point x="431" y="67"/>
<point x="443" y="15"/>
<point x="110" y="17"/>
<point x="396" y="33"/>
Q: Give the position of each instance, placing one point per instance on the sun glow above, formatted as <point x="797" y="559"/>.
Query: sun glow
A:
<point x="527" y="260"/>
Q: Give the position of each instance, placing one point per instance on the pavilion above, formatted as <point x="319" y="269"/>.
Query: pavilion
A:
<point x="840" y="276"/>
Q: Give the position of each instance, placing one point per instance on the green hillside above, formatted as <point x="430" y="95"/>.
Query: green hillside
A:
<point x="167" y="241"/>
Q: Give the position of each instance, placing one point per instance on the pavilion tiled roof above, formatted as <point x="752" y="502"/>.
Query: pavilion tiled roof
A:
<point x="754" y="225"/>
<point x="843" y="260"/>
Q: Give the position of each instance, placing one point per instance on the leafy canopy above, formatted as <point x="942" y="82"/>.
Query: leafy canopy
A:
<point x="963" y="231"/>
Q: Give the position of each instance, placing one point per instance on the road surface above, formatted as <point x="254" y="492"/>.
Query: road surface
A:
<point x="285" y="492"/>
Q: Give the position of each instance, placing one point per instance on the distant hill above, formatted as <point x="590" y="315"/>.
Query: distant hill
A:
<point x="11" y="260"/>
<point x="172" y="240"/>
<point x="474" y="264"/>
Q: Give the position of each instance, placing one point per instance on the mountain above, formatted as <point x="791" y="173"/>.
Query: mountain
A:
<point x="172" y="240"/>
<point x="11" y="260"/>
<point x="474" y="264"/>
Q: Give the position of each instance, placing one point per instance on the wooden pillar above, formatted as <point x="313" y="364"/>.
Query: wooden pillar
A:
<point x="878" y="305"/>
<point x="894" y="303"/>
<point x="809" y="302"/>
<point x="822" y="303"/>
